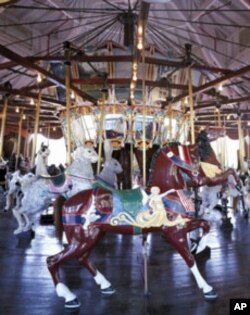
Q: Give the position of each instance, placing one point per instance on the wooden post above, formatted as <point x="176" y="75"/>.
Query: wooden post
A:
<point x="4" y="115"/>
<point x="38" y="106"/>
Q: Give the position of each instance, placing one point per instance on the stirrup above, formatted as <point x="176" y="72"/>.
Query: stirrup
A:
<point x="109" y="290"/>
<point x="72" y="304"/>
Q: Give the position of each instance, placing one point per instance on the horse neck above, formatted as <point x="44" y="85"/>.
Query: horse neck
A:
<point x="161" y="173"/>
<point x="41" y="168"/>
<point x="108" y="175"/>
<point x="81" y="167"/>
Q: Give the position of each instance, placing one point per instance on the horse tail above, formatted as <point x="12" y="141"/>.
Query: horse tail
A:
<point x="58" y="206"/>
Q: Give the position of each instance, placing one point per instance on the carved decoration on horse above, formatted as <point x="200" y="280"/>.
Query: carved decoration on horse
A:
<point x="131" y="212"/>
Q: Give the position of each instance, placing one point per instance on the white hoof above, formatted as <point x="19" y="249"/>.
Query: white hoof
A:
<point x="27" y="228"/>
<point x="63" y="291"/>
<point x="18" y="231"/>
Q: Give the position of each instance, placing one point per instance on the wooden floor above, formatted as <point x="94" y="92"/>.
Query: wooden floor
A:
<point x="27" y="289"/>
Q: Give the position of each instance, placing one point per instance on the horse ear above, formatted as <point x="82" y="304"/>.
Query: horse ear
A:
<point x="108" y="149"/>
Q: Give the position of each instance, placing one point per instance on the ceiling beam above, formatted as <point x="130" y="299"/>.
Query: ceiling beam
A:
<point x="33" y="95"/>
<point x="226" y="102"/>
<point x="211" y="84"/>
<point x="7" y="53"/>
<point x="116" y="58"/>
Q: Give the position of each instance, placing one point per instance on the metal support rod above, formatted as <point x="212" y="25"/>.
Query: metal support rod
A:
<point x="4" y="114"/>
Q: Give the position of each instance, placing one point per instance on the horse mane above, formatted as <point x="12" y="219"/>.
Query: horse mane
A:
<point x="155" y="158"/>
<point x="204" y="147"/>
<point x="57" y="216"/>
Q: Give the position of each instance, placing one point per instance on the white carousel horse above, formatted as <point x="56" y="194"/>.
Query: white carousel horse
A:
<point x="3" y="172"/>
<point x="42" y="160"/>
<point x="241" y="201"/>
<point x="211" y="195"/>
<point x="37" y="194"/>
<point x="111" y="167"/>
<point x="23" y="175"/>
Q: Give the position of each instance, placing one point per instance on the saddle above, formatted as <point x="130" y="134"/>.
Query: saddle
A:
<point x="59" y="184"/>
<point x="128" y="200"/>
<point x="75" y="206"/>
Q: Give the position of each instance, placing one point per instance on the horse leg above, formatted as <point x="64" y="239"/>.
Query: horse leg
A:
<point x="83" y="242"/>
<point x="177" y="237"/>
<point x="99" y="278"/>
<point x="20" y="220"/>
<point x="200" y="243"/>
<point x="8" y="201"/>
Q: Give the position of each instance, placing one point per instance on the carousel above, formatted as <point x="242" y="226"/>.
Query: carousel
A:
<point x="154" y="145"/>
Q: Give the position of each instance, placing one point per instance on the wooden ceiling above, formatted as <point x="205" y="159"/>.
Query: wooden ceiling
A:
<point x="99" y="39"/>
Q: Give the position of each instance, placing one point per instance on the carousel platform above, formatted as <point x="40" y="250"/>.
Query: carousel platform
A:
<point x="26" y="286"/>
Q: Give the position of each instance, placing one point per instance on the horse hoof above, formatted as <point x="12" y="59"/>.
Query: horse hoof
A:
<point x="210" y="296"/>
<point x="110" y="290"/>
<point x="17" y="231"/>
<point x="72" y="304"/>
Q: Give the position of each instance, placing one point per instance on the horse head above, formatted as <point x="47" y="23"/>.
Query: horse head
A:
<point x="110" y="163"/>
<point x="44" y="151"/>
<point x="111" y="167"/>
<point x="86" y="152"/>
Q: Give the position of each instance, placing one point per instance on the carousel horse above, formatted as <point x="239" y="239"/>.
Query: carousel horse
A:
<point x="211" y="195"/>
<point x="111" y="167"/>
<point x="42" y="160"/>
<point x="86" y="219"/>
<point x="241" y="201"/>
<point x="246" y="198"/>
<point x="3" y="172"/>
<point x="188" y="166"/>
<point x="38" y="192"/>
<point x="24" y="173"/>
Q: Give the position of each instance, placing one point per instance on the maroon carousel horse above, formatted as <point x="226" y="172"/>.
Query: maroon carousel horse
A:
<point x="188" y="166"/>
<point x="181" y="166"/>
<point x="89" y="215"/>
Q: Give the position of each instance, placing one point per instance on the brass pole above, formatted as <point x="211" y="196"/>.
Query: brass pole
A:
<point x="68" y="105"/>
<point x="248" y="145"/>
<point x="48" y="134"/>
<point x="170" y="123"/>
<point x="34" y="144"/>
<point x="19" y="137"/>
<point x="100" y="133"/>
<point x="191" y="104"/>
<point x="4" y="115"/>
<point x="241" y="144"/>
<point x="144" y="157"/>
